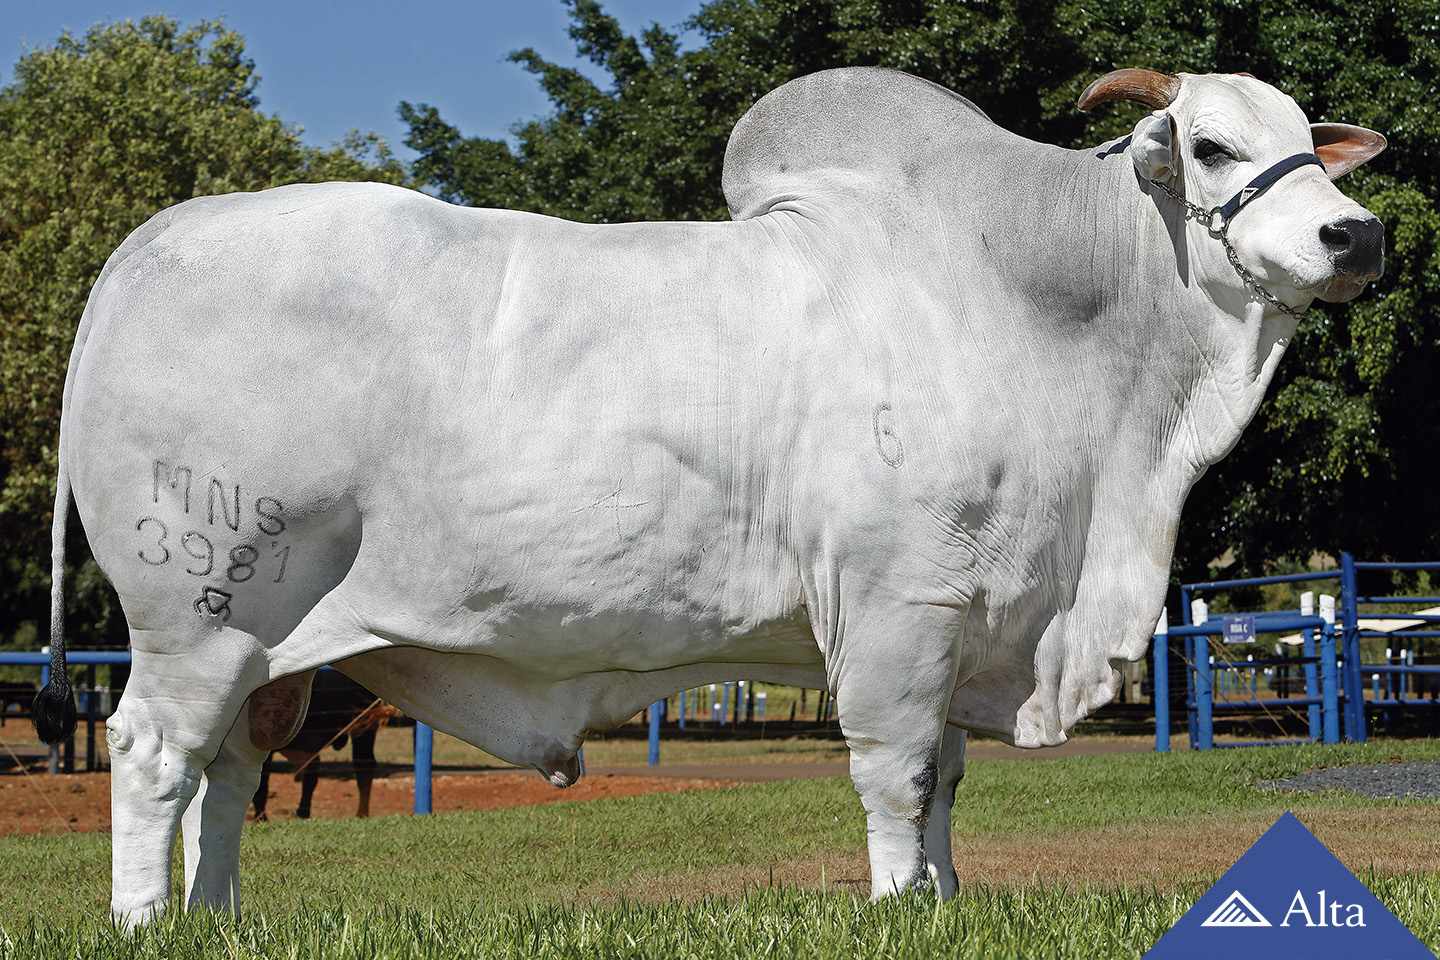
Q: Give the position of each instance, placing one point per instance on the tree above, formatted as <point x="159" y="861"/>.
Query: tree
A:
<point x="647" y="150"/>
<point x="96" y="135"/>
<point x="651" y="146"/>
<point x="1338" y="456"/>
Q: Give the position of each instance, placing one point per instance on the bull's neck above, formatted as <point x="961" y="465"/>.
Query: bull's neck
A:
<point x="1140" y="393"/>
<point x="1109" y="271"/>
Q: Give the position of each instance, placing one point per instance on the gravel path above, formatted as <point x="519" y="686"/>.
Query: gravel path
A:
<point x="1412" y="780"/>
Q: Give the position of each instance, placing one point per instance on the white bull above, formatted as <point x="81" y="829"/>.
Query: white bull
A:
<point x="915" y="427"/>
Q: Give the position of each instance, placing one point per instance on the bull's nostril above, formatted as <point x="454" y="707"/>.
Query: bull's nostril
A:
<point x="1335" y="236"/>
<point x="1356" y="247"/>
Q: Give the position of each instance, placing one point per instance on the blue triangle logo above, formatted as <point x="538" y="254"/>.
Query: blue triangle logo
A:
<point x="1289" y="898"/>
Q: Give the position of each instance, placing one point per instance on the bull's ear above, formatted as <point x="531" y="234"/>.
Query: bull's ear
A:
<point x="1152" y="147"/>
<point x="1343" y="147"/>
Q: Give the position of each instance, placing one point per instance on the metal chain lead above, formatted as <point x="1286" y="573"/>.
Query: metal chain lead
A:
<point x="1207" y="219"/>
<point x="1254" y="284"/>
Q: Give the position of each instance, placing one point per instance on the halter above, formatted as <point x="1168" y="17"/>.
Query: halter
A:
<point x="1217" y="220"/>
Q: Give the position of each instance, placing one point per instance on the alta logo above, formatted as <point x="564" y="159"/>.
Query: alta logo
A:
<point x="1258" y="911"/>
<point x="1236" y="911"/>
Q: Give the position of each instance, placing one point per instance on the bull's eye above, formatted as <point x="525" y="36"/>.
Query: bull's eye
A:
<point x="1211" y="153"/>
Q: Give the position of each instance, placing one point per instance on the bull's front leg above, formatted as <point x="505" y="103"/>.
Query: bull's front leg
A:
<point x="892" y="704"/>
<point x="938" y="849"/>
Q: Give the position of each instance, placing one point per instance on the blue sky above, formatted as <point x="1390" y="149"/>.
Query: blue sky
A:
<point x="328" y="66"/>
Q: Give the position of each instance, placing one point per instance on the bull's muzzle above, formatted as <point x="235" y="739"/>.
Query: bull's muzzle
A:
<point x="1357" y="250"/>
<point x="1357" y="247"/>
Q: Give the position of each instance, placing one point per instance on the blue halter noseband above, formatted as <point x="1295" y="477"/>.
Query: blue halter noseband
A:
<point x="1260" y="184"/>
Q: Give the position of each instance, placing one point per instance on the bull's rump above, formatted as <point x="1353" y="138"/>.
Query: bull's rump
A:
<point x="501" y="432"/>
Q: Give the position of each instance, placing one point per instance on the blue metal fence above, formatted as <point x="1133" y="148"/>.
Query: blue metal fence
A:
<point x="90" y="709"/>
<point x="1398" y="676"/>
<point x="92" y="715"/>
<point x="1331" y="663"/>
<point x="1321" y="686"/>
<point x="424" y="735"/>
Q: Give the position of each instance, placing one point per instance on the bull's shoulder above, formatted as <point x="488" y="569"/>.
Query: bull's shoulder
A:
<point x="849" y="131"/>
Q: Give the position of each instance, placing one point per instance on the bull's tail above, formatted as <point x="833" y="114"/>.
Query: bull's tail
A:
<point x="54" y="709"/>
<point x="54" y="712"/>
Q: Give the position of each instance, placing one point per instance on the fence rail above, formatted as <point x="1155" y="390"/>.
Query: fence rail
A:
<point x="1332" y="664"/>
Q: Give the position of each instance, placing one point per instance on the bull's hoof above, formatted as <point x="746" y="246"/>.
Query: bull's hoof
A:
<point x="133" y="918"/>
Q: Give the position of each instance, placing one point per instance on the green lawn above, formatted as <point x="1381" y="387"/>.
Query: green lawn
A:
<point x="762" y="870"/>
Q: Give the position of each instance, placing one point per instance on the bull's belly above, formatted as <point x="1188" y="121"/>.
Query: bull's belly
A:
<point x="528" y="720"/>
<point x="527" y="680"/>
<point x="556" y="618"/>
<point x="560" y="642"/>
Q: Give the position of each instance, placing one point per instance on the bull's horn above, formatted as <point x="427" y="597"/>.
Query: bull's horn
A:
<point x="1155" y="90"/>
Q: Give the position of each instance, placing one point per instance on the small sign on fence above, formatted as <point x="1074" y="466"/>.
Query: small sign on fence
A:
<point x="1237" y="629"/>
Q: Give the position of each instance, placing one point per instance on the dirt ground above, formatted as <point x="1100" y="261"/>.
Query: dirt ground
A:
<point x="44" y="803"/>
<point x="74" y="802"/>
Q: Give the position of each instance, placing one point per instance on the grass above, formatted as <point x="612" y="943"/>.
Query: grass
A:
<point x="1077" y="857"/>
<point x="775" y="922"/>
<point x="983" y="923"/>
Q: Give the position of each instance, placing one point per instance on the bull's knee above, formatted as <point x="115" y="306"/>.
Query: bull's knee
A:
<point x="897" y="794"/>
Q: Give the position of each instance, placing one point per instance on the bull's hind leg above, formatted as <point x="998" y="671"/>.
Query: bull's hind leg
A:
<point x="213" y="820"/>
<point x="169" y="727"/>
<point x="938" y="852"/>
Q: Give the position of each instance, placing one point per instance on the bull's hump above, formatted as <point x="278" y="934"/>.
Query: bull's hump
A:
<point x="841" y="131"/>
